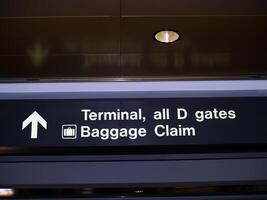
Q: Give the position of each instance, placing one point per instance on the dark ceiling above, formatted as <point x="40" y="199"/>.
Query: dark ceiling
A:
<point x="73" y="39"/>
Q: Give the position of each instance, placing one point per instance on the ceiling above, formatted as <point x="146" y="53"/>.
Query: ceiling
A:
<point x="85" y="39"/>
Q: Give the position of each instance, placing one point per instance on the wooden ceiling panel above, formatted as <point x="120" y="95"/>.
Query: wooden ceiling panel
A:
<point x="208" y="46"/>
<point x="44" y="8"/>
<point x="205" y="33"/>
<point x="152" y="8"/>
<point x="60" y="35"/>
<point x="64" y="39"/>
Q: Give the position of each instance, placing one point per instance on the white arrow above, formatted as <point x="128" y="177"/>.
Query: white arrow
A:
<point x="34" y="119"/>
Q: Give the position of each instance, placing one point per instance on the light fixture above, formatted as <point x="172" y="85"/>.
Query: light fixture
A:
<point x="6" y="192"/>
<point x="166" y="36"/>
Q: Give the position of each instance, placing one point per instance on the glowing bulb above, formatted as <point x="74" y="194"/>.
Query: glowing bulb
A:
<point x="167" y="36"/>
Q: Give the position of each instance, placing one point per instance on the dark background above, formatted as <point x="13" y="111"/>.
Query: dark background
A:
<point x="86" y="39"/>
<point x="249" y="127"/>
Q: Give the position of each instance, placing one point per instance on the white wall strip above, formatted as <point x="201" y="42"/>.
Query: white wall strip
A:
<point x="161" y="86"/>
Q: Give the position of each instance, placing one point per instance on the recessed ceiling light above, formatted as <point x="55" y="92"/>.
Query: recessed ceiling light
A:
<point x="166" y="36"/>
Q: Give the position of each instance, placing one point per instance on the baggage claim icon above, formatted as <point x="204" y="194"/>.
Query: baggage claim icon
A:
<point x="69" y="131"/>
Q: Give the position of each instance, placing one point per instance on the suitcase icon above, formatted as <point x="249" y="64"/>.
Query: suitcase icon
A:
<point x="69" y="131"/>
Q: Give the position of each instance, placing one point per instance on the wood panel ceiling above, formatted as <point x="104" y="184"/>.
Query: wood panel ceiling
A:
<point x="74" y="39"/>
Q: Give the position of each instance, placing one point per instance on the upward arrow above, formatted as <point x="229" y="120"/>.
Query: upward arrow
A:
<point x="34" y="119"/>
